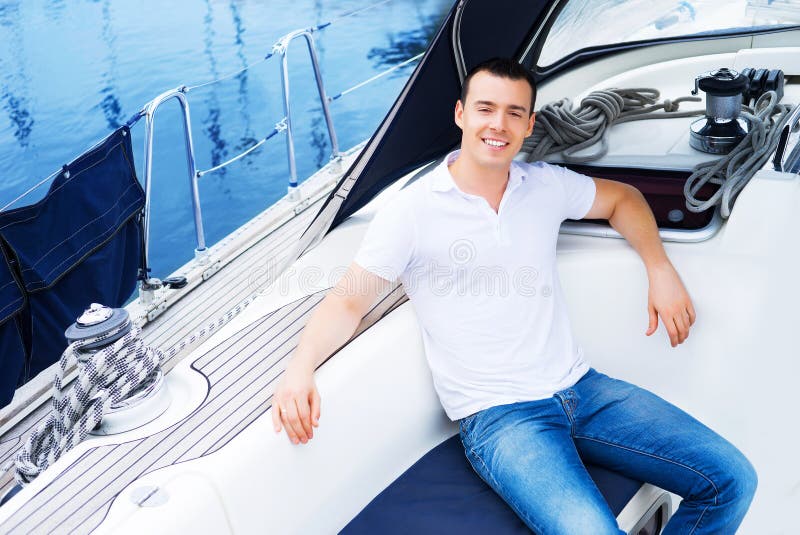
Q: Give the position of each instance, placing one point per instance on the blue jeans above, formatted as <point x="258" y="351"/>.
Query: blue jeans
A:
<point x="528" y="452"/>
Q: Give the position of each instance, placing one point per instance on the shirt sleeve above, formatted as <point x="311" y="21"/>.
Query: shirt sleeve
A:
<point x="579" y="192"/>
<point x="388" y="245"/>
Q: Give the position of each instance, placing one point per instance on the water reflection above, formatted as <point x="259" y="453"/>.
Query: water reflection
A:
<point x="112" y="109"/>
<point x="248" y="137"/>
<point x="17" y="110"/>
<point x="211" y="123"/>
<point x="55" y="9"/>
<point x="319" y="130"/>
<point x="16" y="106"/>
<point x="406" y="44"/>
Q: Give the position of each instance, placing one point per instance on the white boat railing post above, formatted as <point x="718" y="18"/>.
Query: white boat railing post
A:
<point x="281" y="48"/>
<point x="148" y="285"/>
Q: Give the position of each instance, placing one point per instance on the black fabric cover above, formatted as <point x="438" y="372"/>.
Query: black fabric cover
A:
<point x="441" y="493"/>
<point x="420" y="125"/>
<point x="78" y="245"/>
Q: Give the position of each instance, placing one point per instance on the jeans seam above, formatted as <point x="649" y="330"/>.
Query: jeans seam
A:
<point x="569" y="416"/>
<point x="512" y="503"/>
<point x="694" y="528"/>
<point x="660" y="458"/>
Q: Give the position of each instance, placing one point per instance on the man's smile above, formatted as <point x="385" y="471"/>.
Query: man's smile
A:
<point x="493" y="142"/>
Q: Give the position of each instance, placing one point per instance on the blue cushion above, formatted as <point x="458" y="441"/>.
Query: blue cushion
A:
<point x="441" y="493"/>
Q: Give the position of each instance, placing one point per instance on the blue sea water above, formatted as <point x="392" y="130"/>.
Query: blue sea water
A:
<point x="72" y="71"/>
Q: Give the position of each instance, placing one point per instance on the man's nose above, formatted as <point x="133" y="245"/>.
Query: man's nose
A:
<point x="498" y="122"/>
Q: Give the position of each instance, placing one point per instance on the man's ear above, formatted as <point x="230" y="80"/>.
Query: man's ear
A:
<point x="531" y="121"/>
<point x="459" y="114"/>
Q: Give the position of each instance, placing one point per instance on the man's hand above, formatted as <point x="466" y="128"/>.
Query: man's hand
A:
<point x="669" y="299"/>
<point x="295" y="405"/>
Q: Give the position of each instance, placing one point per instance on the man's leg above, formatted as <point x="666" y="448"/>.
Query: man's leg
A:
<point x="525" y="453"/>
<point x="628" y="429"/>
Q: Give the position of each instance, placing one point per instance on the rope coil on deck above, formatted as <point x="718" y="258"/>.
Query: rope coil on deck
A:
<point x="560" y="128"/>
<point x="107" y="378"/>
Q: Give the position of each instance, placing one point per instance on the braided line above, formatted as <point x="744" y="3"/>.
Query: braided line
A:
<point x="106" y="378"/>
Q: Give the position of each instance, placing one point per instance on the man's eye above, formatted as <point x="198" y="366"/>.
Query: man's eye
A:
<point x="483" y="109"/>
<point x="516" y="114"/>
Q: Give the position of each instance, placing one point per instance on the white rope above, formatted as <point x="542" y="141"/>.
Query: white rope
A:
<point x="106" y="379"/>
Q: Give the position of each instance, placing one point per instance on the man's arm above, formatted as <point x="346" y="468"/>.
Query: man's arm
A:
<point x="630" y="215"/>
<point x="296" y="402"/>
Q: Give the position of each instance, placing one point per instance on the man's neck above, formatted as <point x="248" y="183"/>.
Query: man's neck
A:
<point x="473" y="178"/>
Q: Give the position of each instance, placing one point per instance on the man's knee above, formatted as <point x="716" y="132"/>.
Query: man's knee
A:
<point x="730" y="484"/>
<point x="740" y="482"/>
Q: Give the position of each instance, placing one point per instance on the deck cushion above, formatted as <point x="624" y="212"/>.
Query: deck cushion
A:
<point x="441" y="493"/>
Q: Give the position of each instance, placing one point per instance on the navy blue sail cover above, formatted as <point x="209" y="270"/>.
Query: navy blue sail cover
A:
<point x="80" y="244"/>
<point x="441" y="493"/>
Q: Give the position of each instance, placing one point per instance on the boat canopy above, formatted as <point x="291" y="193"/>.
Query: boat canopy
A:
<point x="79" y="244"/>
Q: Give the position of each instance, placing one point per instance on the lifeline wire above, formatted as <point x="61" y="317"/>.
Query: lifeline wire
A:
<point x="377" y="76"/>
<point x="280" y="127"/>
<point x="106" y="379"/>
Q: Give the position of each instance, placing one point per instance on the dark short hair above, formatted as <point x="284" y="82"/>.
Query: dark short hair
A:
<point x="504" y="68"/>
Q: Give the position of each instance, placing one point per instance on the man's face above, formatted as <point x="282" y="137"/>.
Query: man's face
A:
<point x="495" y="119"/>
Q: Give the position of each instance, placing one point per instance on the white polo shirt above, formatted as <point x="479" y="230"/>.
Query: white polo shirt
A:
<point x="484" y="284"/>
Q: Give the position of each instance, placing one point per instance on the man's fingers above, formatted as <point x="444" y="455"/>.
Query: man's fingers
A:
<point x="287" y="425"/>
<point x="653" y="325"/>
<point x="692" y="315"/>
<point x="680" y="329"/>
<point x="315" y="407"/>
<point x="672" y="330"/>
<point x="304" y="413"/>
<point x="276" y="417"/>
<point x="687" y="320"/>
<point x="292" y="421"/>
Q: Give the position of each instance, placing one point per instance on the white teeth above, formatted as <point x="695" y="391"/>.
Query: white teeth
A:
<point x="495" y="143"/>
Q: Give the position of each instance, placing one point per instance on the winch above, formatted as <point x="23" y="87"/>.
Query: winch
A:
<point x="722" y="128"/>
<point x="96" y="322"/>
<point x="726" y="90"/>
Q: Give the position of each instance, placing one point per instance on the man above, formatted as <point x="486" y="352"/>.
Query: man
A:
<point x="504" y="363"/>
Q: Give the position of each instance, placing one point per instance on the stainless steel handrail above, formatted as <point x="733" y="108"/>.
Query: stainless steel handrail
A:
<point x="149" y="115"/>
<point x="282" y="48"/>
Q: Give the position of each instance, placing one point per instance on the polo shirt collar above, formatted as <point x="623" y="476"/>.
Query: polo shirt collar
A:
<point x="443" y="180"/>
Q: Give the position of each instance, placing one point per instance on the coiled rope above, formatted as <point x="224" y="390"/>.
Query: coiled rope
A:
<point x="106" y="378"/>
<point x="733" y="171"/>
<point x="560" y="128"/>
